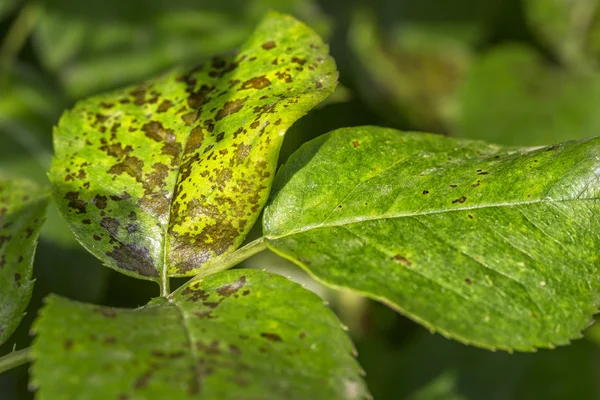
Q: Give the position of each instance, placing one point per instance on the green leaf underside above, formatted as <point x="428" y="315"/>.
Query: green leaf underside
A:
<point x="159" y="178"/>
<point x="238" y="334"/>
<point x="22" y="211"/>
<point x="489" y="245"/>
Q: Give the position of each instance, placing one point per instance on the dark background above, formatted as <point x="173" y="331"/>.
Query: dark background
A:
<point x="515" y="72"/>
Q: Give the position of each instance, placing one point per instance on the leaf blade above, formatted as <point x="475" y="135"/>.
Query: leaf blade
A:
<point x="182" y="165"/>
<point x="466" y="238"/>
<point x="275" y="339"/>
<point x="22" y="212"/>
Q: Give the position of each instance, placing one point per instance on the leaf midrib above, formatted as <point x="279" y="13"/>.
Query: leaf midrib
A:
<point x="422" y="213"/>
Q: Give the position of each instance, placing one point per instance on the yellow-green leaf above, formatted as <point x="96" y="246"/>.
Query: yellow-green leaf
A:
<point x="159" y="178"/>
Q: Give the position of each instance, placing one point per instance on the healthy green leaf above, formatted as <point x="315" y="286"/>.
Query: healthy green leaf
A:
<point x="159" y="178"/>
<point x="238" y="334"/>
<point x="22" y="211"/>
<point x="529" y="102"/>
<point x="489" y="245"/>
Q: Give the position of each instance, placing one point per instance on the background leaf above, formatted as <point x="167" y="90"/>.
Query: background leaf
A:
<point x="239" y="334"/>
<point x="180" y="167"/>
<point x="101" y="46"/>
<point x="489" y="245"/>
<point x="22" y="211"/>
<point x="511" y="96"/>
<point x="570" y="28"/>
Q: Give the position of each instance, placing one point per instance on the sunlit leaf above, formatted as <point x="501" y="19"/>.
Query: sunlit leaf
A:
<point x="488" y="245"/>
<point x="22" y="210"/>
<point x="240" y="334"/>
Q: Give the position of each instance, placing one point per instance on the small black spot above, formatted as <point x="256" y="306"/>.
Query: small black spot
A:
<point x="425" y="191"/>
<point x="461" y="200"/>
<point x="468" y="281"/>
<point x="271" y="336"/>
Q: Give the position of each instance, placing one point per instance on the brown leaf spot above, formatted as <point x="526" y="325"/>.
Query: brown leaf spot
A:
<point x="194" y="140"/>
<point x="400" y="259"/>
<point x="230" y="107"/>
<point x="273" y="337"/>
<point x="110" y="224"/>
<point x="133" y="258"/>
<point x="100" y="202"/>
<point x="355" y="143"/>
<point x="461" y="200"/>
<point x="259" y="82"/>
<point x="164" y="106"/>
<point x="131" y="166"/>
<point x="230" y="289"/>
<point x="268" y="45"/>
<point x="75" y="203"/>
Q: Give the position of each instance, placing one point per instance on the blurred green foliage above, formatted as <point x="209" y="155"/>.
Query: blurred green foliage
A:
<point x="519" y="72"/>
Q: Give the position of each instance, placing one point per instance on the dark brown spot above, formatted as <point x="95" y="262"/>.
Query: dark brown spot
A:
<point x="259" y="82"/>
<point x="230" y="289"/>
<point x="468" y="281"/>
<point x="100" y="202"/>
<point x="273" y="337"/>
<point x="425" y="191"/>
<point x="299" y="61"/>
<point x="268" y="45"/>
<point x="110" y="224"/>
<point x="194" y="140"/>
<point x="133" y="258"/>
<point x="164" y="106"/>
<point x="230" y="107"/>
<point x="67" y="344"/>
<point x="355" y="143"/>
<point x="400" y="259"/>
<point x="75" y="203"/>
<point x="461" y="200"/>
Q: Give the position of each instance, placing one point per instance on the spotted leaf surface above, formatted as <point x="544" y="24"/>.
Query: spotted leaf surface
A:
<point x="157" y="179"/>
<point x="490" y="245"/>
<point x="239" y="334"/>
<point x="22" y="212"/>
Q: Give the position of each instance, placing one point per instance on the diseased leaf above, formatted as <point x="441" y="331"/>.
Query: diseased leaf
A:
<point x="239" y="334"/>
<point x="490" y="245"/>
<point x="22" y="211"/>
<point x="156" y="179"/>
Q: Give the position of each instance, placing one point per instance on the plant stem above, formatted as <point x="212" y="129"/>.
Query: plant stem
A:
<point x="14" y="359"/>
<point x="231" y="260"/>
